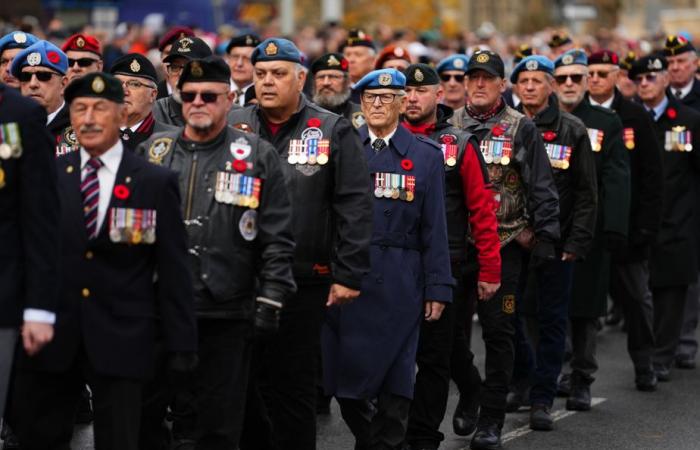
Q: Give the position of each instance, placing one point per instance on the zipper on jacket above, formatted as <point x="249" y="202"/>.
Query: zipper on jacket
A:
<point x="190" y="186"/>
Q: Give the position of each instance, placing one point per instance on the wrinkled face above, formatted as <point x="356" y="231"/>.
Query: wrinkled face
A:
<point x="602" y="79"/>
<point x="278" y="83"/>
<point x="421" y="102"/>
<point x="173" y="70"/>
<point x="454" y="86"/>
<point x="241" y="68"/>
<point x="5" y="62"/>
<point x="625" y="85"/>
<point x="96" y="122"/>
<point x="398" y="64"/>
<point x="571" y="84"/>
<point x="139" y="94"/>
<point x="81" y="63"/>
<point x="534" y="88"/>
<point x="382" y="107"/>
<point x="360" y="61"/>
<point x="682" y="68"/>
<point x="484" y="89"/>
<point x="48" y="91"/>
<point x="651" y="86"/>
<point x="205" y="104"/>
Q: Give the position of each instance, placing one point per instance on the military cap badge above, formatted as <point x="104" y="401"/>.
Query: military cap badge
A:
<point x="135" y="66"/>
<point x="271" y="49"/>
<point x="196" y="69"/>
<point x="98" y="85"/>
<point x="458" y="63"/>
<point x="80" y="42"/>
<point x="20" y="37"/>
<point x="184" y="45"/>
<point x="418" y="75"/>
<point x="531" y="65"/>
<point x="34" y="59"/>
<point x="567" y="59"/>
<point x="482" y="58"/>
<point x="333" y="61"/>
<point x="384" y="79"/>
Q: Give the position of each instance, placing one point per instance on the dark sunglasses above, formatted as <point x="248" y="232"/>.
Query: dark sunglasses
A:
<point x="600" y="74"/>
<point x="575" y="78"/>
<point x="207" y="97"/>
<point x="446" y="77"/>
<point x="649" y="77"/>
<point x="82" y="62"/>
<point x="25" y="77"/>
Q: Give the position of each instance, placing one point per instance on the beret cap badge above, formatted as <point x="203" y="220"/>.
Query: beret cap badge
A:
<point x="135" y="66"/>
<point x="333" y="61"/>
<point x="384" y="79"/>
<point x="20" y="37"/>
<point x="271" y="49"/>
<point x="458" y="63"/>
<point x="531" y="65"/>
<point x="80" y="42"/>
<point x="34" y="59"/>
<point x="196" y="69"/>
<point x="98" y="85"/>
<point x="567" y="59"/>
<point x="418" y="75"/>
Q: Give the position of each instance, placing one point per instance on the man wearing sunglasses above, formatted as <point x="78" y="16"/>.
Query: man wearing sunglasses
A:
<point x="470" y="212"/>
<point x="326" y="178"/>
<point x="238" y="218"/>
<point x="138" y="78"/>
<point x="629" y="276"/>
<point x="682" y="66"/>
<point x="522" y="180"/>
<point x="674" y="259"/>
<point x="168" y="110"/>
<point x="451" y="71"/>
<point x="10" y="45"/>
<point x="547" y="291"/>
<point x="331" y="87"/>
<point x="612" y="175"/>
<point x="84" y="55"/>
<point x="41" y="70"/>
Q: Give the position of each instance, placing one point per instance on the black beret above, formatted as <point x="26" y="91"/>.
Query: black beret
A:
<point x="648" y="64"/>
<point x="330" y="61"/>
<point x="189" y="48"/>
<point x="523" y="51"/>
<point x="211" y="68"/>
<point x="628" y="60"/>
<point x="244" y="40"/>
<point x="421" y="75"/>
<point x="559" y="39"/>
<point x="95" y="84"/>
<point x="134" y="65"/>
<point x="358" y="38"/>
<point x="675" y="45"/>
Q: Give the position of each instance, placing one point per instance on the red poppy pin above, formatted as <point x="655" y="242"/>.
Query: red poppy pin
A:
<point x="498" y="131"/>
<point x="314" y="122"/>
<point x="240" y="165"/>
<point x="671" y="112"/>
<point x="549" y="136"/>
<point x="406" y="164"/>
<point x="344" y="64"/>
<point x="53" y="57"/>
<point x="121" y="192"/>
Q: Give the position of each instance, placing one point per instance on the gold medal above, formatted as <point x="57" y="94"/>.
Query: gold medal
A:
<point x="322" y="159"/>
<point x="565" y="164"/>
<point x="2" y="178"/>
<point x="629" y="144"/>
<point x="254" y="203"/>
<point x="505" y="161"/>
<point x="136" y="237"/>
<point x="451" y="161"/>
<point x="409" y="196"/>
<point x="395" y="194"/>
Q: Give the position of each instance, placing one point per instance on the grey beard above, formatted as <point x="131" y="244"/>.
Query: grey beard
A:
<point x="331" y="101"/>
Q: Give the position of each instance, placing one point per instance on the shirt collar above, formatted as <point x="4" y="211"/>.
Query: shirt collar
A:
<point x="110" y="159"/>
<point x="134" y="128"/>
<point x="659" y="109"/>
<point x="606" y="104"/>
<point x="685" y="90"/>
<point x="53" y="115"/>
<point x="387" y="138"/>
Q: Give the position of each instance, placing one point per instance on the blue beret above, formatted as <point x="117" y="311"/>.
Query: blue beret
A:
<point x="276" y="49"/>
<point x="17" y="39"/>
<point x="572" y="57"/>
<point x="44" y="54"/>
<point x="454" y="62"/>
<point x="382" y="79"/>
<point x="532" y="63"/>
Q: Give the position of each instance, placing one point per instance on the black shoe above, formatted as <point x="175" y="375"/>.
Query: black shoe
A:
<point x="663" y="373"/>
<point x="564" y="385"/>
<point x="540" y="418"/>
<point x="84" y="415"/>
<point x="518" y="396"/>
<point x="646" y="381"/>
<point x="487" y="437"/>
<point x="580" y="397"/>
<point x="465" y="416"/>
<point x="685" y="362"/>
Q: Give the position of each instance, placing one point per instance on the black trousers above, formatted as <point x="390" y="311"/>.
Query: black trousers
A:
<point x="377" y="426"/>
<point x="583" y="347"/>
<point x="44" y="417"/>
<point x="281" y="411"/>
<point x="669" y="303"/>
<point x="211" y="411"/>
<point x="157" y="395"/>
<point x="629" y="284"/>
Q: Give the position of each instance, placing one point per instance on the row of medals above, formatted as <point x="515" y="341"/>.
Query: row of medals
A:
<point x="8" y="151"/>
<point x="491" y="159"/>
<point x="247" y="201"/>
<point x="132" y="235"/>
<point x="303" y="158"/>
<point x="672" y="144"/>
<point x="394" y="193"/>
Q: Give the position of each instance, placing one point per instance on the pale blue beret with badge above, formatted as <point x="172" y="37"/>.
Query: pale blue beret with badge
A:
<point x="276" y="49"/>
<point x="382" y="79"/>
<point x="571" y="58"/>
<point x="17" y="39"/>
<point x="455" y="62"/>
<point x="42" y="53"/>
<point x="533" y="63"/>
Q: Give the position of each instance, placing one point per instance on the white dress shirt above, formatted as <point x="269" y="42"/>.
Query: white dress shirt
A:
<point x="240" y="100"/>
<point x="53" y="115"/>
<point x="606" y="104"/>
<point x="373" y="137"/>
<point x="134" y="128"/>
<point x="106" y="175"/>
<point x="685" y="90"/>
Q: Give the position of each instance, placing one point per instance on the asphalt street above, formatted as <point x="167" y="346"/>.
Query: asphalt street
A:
<point x="622" y="417"/>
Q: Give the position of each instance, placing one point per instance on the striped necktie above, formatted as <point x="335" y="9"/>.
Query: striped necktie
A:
<point x="90" y="190"/>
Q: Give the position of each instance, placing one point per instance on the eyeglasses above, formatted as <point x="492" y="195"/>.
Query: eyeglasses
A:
<point x="174" y="69"/>
<point x="385" y="99"/>
<point x="133" y="84"/>
<point x="329" y="76"/>
<point x="82" y="62"/>
<point x="26" y="77"/>
<point x="575" y="78"/>
<point x="649" y="77"/>
<point x="600" y="73"/>
<point x="447" y="77"/>
<point x="207" y="97"/>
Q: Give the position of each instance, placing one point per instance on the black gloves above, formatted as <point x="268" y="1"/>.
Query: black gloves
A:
<point x="267" y="315"/>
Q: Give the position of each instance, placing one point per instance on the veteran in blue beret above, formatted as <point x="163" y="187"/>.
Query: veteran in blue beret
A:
<point x="369" y="345"/>
<point x="40" y="69"/>
<point x="452" y="71"/>
<point x="10" y="45"/>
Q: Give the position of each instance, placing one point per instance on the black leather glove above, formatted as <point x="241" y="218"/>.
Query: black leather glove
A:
<point x="543" y="252"/>
<point x="615" y="242"/>
<point x="267" y="315"/>
<point x="181" y="367"/>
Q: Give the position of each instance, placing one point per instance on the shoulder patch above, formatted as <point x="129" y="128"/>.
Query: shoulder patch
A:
<point x="158" y="149"/>
<point x="358" y="119"/>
